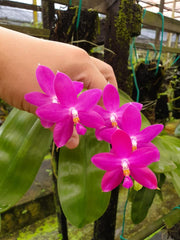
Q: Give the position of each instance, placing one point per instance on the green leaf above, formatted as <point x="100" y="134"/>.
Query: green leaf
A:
<point x="172" y="218"/>
<point x="79" y="181"/>
<point x="124" y="97"/>
<point x="174" y="177"/>
<point x="169" y="148"/>
<point x="141" y="203"/>
<point x="23" y="145"/>
<point x="177" y="131"/>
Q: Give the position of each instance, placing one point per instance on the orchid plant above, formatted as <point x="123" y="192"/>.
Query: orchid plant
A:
<point x="66" y="106"/>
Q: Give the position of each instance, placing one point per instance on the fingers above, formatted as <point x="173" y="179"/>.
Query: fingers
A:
<point x="106" y="70"/>
<point x="73" y="142"/>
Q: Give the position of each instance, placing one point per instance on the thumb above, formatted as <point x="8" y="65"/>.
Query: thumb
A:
<point x="73" y="142"/>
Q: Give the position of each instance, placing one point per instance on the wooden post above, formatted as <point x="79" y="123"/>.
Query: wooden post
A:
<point x="161" y="7"/>
<point x="123" y="22"/>
<point x="47" y="13"/>
<point x="104" y="227"/>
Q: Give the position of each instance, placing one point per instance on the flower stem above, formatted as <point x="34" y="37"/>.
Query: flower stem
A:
<point x="124" y="216"/>
<point x="62" y="223"/>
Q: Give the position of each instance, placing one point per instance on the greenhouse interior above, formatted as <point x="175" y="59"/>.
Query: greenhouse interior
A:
<point x="100" y="159"/>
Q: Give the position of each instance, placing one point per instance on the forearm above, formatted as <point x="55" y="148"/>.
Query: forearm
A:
<point x="19" y="58"/>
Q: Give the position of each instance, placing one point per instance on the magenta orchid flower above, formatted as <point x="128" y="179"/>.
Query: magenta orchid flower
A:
<point x="70" y="110"/>
<point x="123" y="163"/>
<point x="112" y="113"/>
<point x="131" y="124"/>
<point x="45" y="78"/>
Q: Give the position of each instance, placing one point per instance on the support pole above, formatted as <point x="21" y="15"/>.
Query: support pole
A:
<point x="62" y="223"/>
<point x="35" y="17"/>
<point x="123" y="23"/>
<point x="161" y="8"/>
<point x="47" y="13"/>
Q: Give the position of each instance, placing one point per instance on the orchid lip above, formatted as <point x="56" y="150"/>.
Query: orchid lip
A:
<point x="113" y="118"/>
<point x="134" y="143"/>
<point x="54" y="99"/>
<point x="74" y="113"/>
<point x="125" y="167"/>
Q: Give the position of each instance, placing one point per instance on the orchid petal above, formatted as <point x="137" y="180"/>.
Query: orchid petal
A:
<point x="100" y="110"/>
<point x="150" y="132"/>
<point x="111" y="180"/>
<point x="106" y="161"/>
<point x="131" y="120"/>
<point x="91" y="119"/>
<point x="53" y="112"/>
<point x="124" y="106"/>
<point x="46" y="124"/>
<point x="111" y="98"/>
<point x="127" y="183"/>
<point x="150" y="144"/>
<point x="65" y="90"/>
<point x="121" y="143"/>
<point x="45" y="78"/>
<point x="81" y="130"/>
<point x="62" y="132"/>
<point x="143" y="157"/>
<point x="105" y="134"/>
<point x="145" y="177"/>
<point x="121" y="110"/>
<point x="137" y="105"/>
<point x="37" y="98"/>
<point x="78" y="86"/>
<point x="104" y="114"/>
<point x="88" y="99"/>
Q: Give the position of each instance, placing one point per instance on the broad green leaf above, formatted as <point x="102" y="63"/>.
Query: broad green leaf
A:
<point x="124" y="97"/>
<point x="169" y="148"/>
<point x="141" y="203"/>
<point x="174" y="144"/>
<point x="172" y="218"/>
<point x="23" y="145"/>
<point x="79" y="181"/>
<point x="177" y="131"/>
<point x="174" y="176"/>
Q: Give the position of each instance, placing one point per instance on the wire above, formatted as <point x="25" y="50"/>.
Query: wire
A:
<point x="79" y="14"/>
<point x="175" y="60"/>
<point x="70" y="2"/>
<point x="133" y="70"/>
<point x="132" y="45"/>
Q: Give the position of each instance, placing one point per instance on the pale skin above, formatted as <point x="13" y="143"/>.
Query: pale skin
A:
<point x="20" y="55"/>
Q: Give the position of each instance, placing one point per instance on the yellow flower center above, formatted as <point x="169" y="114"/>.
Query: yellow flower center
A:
<point x="126" y="171"/>
<point x="113" y="120"/>
<point x="134" y="143"/>
<point x="75" y="116"/>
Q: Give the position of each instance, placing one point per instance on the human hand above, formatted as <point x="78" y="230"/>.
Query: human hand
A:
<point x="20" y="55"/>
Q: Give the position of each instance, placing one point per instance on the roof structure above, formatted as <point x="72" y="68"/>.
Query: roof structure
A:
<point x="169" y="8"/>
<point x="10" y="14"/>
